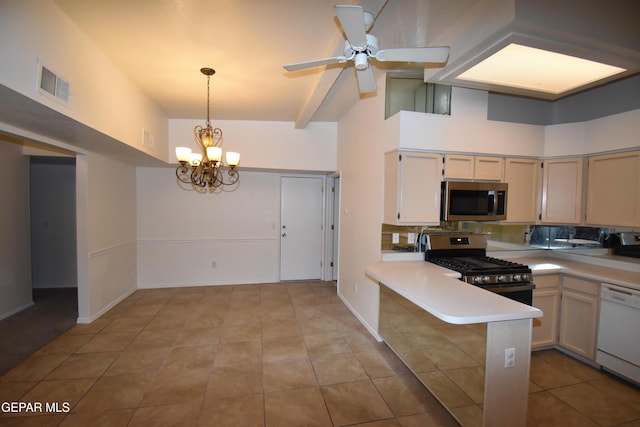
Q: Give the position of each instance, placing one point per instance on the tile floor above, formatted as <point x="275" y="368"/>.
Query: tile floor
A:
<point x="283" y="354"/>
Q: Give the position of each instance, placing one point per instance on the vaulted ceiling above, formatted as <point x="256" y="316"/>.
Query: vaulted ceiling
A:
<point x="162" y="44"/>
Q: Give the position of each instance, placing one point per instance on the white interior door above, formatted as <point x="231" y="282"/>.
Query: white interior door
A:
<point x="301" y="228"/>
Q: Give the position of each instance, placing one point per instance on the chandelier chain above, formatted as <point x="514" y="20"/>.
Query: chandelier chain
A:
<point x="208" y="102"/>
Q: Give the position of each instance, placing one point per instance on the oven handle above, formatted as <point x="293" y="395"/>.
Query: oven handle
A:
<point x="517" y="288"/>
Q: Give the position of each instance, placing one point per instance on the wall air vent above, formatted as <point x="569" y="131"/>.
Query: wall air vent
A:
<point x="54" y="85"/>
<point x="147" y="139"/>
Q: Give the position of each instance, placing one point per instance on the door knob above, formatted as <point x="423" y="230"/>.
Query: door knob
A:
<point x="284" y="234"/>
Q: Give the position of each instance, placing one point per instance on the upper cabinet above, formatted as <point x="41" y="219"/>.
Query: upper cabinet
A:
<point x="412" y="188"/>
<point x="601" y="190"/>
<point x="523" y="201"/>
<point x="613" y="191"/>
<point x="562" y="190"/>
<point x="482" y="168"/>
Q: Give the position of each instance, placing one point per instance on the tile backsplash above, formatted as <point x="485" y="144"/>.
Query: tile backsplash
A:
<point x="544" y="237"/>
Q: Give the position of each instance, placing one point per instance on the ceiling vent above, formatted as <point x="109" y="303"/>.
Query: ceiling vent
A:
<point x="53" y="85"/>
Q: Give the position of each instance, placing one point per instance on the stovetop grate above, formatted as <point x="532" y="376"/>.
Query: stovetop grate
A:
<point x="479" y="265"/>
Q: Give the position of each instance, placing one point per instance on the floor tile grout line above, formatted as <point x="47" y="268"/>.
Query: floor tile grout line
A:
<point x="324" y="310"/>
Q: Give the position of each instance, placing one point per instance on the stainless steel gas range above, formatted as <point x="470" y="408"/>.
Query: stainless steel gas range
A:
<point x="466" y="254"/>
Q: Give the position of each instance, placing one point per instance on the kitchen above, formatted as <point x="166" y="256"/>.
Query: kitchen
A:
<point x="561" y="259"/>
<point x="359" y="156"/>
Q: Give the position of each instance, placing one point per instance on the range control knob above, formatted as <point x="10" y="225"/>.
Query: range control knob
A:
<point x="517" y="278"/>
<point x="501" y="278"/>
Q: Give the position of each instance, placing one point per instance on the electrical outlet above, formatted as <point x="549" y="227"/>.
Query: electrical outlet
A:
<point x="395" y="237"/>
<point x="509" y="357"/>
<point x="411" y="238"/>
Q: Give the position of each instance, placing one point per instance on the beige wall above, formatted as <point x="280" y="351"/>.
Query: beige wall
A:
<point x="102" y="97"/>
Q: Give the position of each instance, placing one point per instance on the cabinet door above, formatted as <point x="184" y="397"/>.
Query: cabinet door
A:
<point x="545" y="329"/>
<point x="562" y="191"/>
<point x="458" y="166"/>
<point x="613" y="190"/>
<point x="523" y="178"/>
<point x="578" y="319"/>
<point x="489" y="168"/>
<point x="412" y="188"/>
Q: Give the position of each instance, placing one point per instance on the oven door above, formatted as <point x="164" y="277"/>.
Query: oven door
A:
<point x="521" y="292"/>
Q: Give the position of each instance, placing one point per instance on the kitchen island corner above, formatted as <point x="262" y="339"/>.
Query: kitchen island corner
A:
<point x="458" y="340"/>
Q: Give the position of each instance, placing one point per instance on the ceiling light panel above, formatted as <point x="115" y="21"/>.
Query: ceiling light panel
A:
<point x="538" y="70"/>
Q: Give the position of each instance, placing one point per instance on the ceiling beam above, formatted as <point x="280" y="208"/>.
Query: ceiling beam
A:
<point x="325" y="80"/>
<point x="329" y="75"/>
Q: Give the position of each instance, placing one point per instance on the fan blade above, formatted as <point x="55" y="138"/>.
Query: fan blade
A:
<point x="315" y="63"/>
<point x="373" y="6"/>
<point x="352" y="21"/>
<point x="366" y="80"/>
<point x="414" y="54"/>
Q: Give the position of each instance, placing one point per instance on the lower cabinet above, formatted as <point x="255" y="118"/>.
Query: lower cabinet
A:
<point x="546" y="297"/>
<point x="579" y="316"/>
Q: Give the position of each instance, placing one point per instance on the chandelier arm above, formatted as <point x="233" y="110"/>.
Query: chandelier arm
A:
<point x="214" y="177"/>
<point x="182" y="173"/>
<point x="197" y="136"/>
<point x="233" y="176"/>
<point x="198" y="176"/>
<point x="217" y="137"/>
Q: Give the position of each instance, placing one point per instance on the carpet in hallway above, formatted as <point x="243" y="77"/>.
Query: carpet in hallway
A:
<point x="54" y="311"/>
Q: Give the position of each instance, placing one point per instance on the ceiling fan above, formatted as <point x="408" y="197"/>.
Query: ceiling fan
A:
<point x="361" y="47"/>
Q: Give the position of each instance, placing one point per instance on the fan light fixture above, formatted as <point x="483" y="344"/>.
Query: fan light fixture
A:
<point x="206" y="169"/>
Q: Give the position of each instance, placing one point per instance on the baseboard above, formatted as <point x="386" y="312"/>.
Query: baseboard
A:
<point x="16" y="310"/>
<point x="87" y="320"/>
<point x="371" y="330"/>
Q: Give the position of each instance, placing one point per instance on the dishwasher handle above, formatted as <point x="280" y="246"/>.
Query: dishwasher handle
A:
<point x="620" y="295"/>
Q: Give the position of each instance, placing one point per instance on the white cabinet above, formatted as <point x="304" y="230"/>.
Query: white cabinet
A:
<point x="412" y="188"/>
<point x="579" y="316"/>
<point x="562" y="190"/>
<point x="546" y="297"/>
<point x="458" y="166"/>
<point x="482" y="168"/>
<point x="524" y="179"/>
<point x="613" y="191"/>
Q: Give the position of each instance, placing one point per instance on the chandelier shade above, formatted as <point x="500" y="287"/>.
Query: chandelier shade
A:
<point x="205" y="169"/>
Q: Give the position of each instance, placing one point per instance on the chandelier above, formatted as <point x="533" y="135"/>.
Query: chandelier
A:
<point x="206" y="169"/>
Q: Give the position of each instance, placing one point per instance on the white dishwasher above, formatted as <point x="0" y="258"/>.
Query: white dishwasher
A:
<point x="619" y="331"/>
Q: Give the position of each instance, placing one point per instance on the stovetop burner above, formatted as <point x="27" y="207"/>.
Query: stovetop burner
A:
<point x="479" y="265"/>
<point x="466" y="254"/>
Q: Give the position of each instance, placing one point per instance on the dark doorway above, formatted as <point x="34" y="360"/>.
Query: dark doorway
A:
<point x="52" y="206"/>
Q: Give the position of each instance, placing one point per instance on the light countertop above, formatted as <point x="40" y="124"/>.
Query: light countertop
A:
<point x="552" y="265"/>
<point x="438" y="291"/>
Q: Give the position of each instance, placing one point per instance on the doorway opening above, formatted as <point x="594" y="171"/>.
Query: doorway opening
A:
<point x="51" y="192"/>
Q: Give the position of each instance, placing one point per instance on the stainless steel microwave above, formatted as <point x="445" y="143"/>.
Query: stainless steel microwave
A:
<point x="473" y="201"/>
